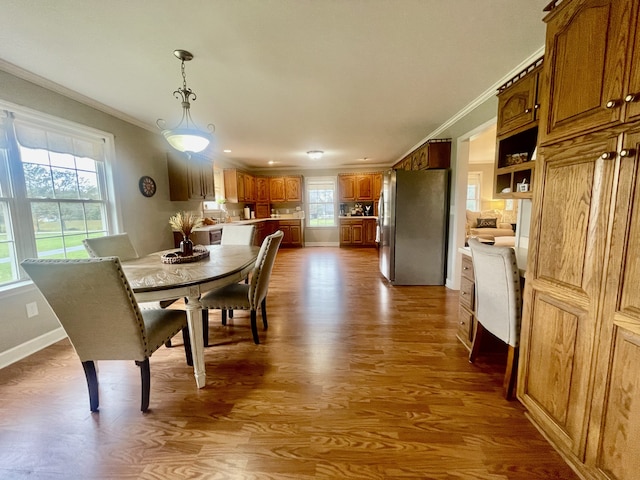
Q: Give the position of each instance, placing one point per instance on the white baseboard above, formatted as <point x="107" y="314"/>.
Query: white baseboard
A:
<point x="30" y="347"/>
<point x="322" y="244"/>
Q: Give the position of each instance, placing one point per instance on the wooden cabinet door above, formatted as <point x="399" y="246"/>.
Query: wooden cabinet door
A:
<point x="632" y="94"/>
<point x="615" y="425"/>
<point x="369" y="232"/>
<point x="347" y="187"/>
<point x="364" y="187"/>
<point x="208" y="180"/>
<point x="357" y="234"/>
<point x="518" y="104"/>
<point x="296" y="235"/>
<point x="293" y="189"/>
<point x="585" y="56"/>
<point x="377" y="185"/>
<point x="276" y="189"/>
<point x="564" y="281"/>
<point x="262" y="210"/>
<point x="249" y="188"/>
<point x="262" y="189"/>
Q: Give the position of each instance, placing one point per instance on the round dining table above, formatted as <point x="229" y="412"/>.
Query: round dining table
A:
<point x="153" y="280"/>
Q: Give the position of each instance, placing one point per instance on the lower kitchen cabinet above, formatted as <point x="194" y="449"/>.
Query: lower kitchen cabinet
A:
<point x="292" y="230"/>
<point x="357" y="232"/>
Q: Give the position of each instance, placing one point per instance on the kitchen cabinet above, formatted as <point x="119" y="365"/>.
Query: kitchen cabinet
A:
<point x="215" y="237"/>
<point x="239" y="186"/>
<point x="466" y="303"/>
<point x="434" y="153"/>
<point x="347" y="187"/>
<point x="263" y="210"/>
<point x="198" y="237"/>
<point x="292" y="230"/>
<point x="285" y="189"/>
<point x="579" y="343"/>
<point x="357" y="232"/>
<point x="517" y="129"/>
<point x="589" y="88"/>
<point x="262" y="189"/>
<point x="190" y="178"/>
<point x="359" y="187"/>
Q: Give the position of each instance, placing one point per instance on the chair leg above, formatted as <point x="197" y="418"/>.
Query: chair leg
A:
<point x="145" y="376"/>
<point x="205" y="327"/>
<point x="263" y="307"/>
<point x="477" y="340"/>
<point x="510" y="373"/>
<point x="224" y="316"/>
<point x="254" y="327"/>
<point x="186" y="339"/>
<point x="92" y="383"/>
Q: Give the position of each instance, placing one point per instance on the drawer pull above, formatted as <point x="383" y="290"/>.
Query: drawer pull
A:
<point x="628" y="152"/>
<point x="608" y="155"/>
<point x="612" y="104"/>
<point x="632" y="97"/>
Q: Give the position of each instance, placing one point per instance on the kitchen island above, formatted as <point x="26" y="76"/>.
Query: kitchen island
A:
<point x="293" y="229"/>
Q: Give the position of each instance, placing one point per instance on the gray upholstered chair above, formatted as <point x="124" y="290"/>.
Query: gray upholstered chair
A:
<point x="240" y="296"/>
<point x="98" y="311"/>
<point x="111" y="246"/>
<point x="119" y="245"/>
<point x="231" y="235"/>
<point x="498" y="303"/>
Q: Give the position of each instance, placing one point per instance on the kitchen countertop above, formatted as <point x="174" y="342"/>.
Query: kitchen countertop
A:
<point x="521" y="257"/>
<point x="218" y="226"/>
<point x="359" y="216"/>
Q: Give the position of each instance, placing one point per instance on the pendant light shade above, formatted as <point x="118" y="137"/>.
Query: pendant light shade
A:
<point x="186" y="136"/>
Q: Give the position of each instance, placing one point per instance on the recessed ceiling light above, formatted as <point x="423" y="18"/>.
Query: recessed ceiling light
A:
<point x="315" y="154"/>
<point x="226" y="150"/>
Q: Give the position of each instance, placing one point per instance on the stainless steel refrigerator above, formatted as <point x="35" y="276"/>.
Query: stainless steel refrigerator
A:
<point x="413" y="218"/>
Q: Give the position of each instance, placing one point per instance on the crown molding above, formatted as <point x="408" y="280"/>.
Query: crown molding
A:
<point x="72" y="94"/>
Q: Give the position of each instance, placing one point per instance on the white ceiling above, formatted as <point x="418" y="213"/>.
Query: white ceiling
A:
<point x="356" y="78"/>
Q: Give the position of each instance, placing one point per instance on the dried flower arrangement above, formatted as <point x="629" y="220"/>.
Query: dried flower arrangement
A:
<point x="185" y="222"/>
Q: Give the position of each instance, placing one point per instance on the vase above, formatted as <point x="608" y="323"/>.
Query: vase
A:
<point x="186" y="246"/>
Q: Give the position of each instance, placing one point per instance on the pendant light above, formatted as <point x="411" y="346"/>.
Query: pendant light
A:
<point x="186" y="136"/>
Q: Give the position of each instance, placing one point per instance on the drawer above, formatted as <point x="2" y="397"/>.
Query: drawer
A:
<point x="465" y="326"/>
<point x="215" y="236"/>
<point x="467" y="291"/>
<point x="467" y="267"/>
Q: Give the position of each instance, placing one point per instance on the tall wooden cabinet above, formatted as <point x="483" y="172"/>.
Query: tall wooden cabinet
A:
<point x="190" y="178"/>
<point x="580" y="339"/>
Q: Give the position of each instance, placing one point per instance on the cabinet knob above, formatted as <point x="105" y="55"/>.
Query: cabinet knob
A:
<point x="632" y="97"/>
<point x="536" y="106"/>
<point x="627" y="152"/>
<point x="608" y="155"/>
<point x="465" y="268"/>
<point x="463" y="292"/>
<point x="527" y="110"/>
<point x="612" y="103"/>
<point x="461" y="323"/>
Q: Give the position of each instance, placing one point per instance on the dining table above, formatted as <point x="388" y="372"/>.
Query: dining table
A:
<point x="151" y="280"/>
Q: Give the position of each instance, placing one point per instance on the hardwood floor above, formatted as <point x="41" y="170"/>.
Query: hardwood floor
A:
<point x="354" y="379"/>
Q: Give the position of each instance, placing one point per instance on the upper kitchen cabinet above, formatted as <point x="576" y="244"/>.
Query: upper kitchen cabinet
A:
<point x="285" y="189"/>
<point x="434" y="153"/>
<point x="518" y="102"/>
<point x="262" y="189"/>
<point x="518" y="105"/>
<point x="359" y="187"/>
<point x="589" y="52"/>
<point x="190" y="178"/>
<point x="239" y="186"/>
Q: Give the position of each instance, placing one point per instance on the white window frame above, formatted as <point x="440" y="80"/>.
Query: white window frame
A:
<point x="309" y="183"/>
<point x="474" y="178"/>
<point x="19" y="205"/>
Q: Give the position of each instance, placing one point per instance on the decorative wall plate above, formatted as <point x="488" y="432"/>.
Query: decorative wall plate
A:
<point x="147" y="186"/>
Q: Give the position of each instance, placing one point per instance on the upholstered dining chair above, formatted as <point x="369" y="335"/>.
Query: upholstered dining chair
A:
<point x="231" y="235"/>
<point x="77" y="291"/>
<point x="240" y="296"/>
<point x="498" y="303"/>
<point x="119" y="245"/>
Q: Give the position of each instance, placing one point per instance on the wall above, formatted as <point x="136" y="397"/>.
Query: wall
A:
<point x="138" y="152"/>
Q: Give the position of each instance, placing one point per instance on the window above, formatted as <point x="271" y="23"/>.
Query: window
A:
<point x="473" y="191"/>
<point x="321" y="201"/>
<point x="53" y="190"/>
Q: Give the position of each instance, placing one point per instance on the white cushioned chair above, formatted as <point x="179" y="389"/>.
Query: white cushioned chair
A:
<point x="498" y="303"/>
<point x="231" y="235"/>
<point x="97" y="309"/>
<point x="240" y="296"/>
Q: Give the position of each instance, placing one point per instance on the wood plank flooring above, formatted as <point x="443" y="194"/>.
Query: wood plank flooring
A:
<point x="355" y="379"/>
